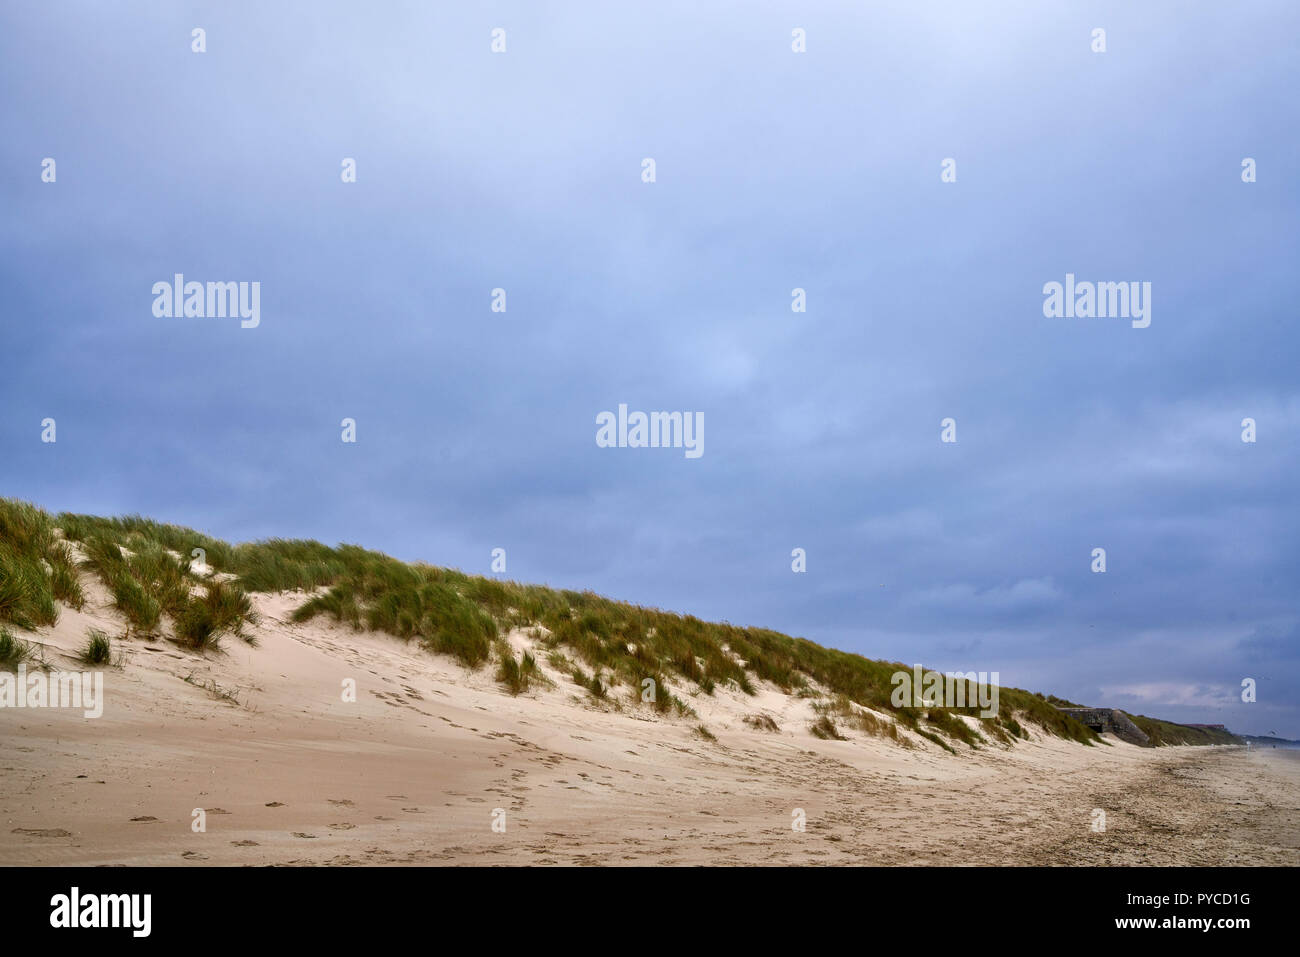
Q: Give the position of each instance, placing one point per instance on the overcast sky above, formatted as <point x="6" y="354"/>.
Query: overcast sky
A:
<point x="775" y="170"/>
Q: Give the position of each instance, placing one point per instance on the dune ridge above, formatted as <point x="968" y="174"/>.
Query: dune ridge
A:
<point x="309" y="738"/>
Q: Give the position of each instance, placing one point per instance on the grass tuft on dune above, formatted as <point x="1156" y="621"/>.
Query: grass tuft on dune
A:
<point x="146" y="567"/>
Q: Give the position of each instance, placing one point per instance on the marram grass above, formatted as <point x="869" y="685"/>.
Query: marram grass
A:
<point x="150" y="570"/>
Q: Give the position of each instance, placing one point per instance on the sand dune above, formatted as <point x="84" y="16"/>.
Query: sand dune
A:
<point x="417" y="769"/>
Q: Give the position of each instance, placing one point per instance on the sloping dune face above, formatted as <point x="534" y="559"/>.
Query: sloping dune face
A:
<point x="312" y="740"/>
<point x="254" y="756"/>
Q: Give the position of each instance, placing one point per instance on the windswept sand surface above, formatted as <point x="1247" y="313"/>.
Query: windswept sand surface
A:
<point x="412" y="772"/>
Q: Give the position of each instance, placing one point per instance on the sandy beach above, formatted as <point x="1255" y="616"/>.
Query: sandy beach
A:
<point x="431" y="755"/>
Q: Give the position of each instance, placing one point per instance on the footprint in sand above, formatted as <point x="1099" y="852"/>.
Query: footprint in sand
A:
<point x="42" y="831"/>
<point x="245" y="843"/>
<point x="341" y="802"/>
<point x="341" y="827"/>
<point x="275" y="804"/>
<point x="194" y="856"/>
<point x="143" y="819"/>
<point x="301" y="834"/>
